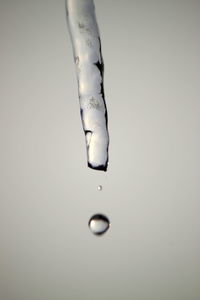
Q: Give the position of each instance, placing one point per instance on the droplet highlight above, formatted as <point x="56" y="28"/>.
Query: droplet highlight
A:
<point x="99" y="224"/>
<point x="100" y="188"/>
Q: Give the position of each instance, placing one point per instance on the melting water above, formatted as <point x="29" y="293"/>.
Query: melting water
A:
<point x="99" y="224"/>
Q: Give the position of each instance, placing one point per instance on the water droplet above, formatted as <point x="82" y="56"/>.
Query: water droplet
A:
<point x="99" y="224"/>
<point x="100" y="188"/>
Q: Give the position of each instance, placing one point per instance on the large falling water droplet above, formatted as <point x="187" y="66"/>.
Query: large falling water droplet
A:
<point x="99" y="224"/>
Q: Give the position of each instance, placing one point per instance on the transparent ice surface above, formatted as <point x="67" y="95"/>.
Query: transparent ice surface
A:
<point x="86" y="44"/>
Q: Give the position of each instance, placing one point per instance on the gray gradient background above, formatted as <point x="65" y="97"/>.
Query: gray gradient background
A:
<point x="151" y="191"/>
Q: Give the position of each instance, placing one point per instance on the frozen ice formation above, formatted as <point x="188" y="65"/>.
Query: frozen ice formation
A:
<point x="88" y="60"/>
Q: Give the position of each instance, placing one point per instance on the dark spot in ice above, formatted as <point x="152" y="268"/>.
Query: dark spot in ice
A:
<point x="100" y="67"/>
<point x="100" y="48"/>
<point x="81" y="25"/>
<point x="102" y="92"/>
<point x="81" y="112"/>
<point x="103" y="96"/>
<point x="87" y="131"/>
<point x="100" y="167"/>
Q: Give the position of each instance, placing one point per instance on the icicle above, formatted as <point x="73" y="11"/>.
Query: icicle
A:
<point x="89" y="68"/>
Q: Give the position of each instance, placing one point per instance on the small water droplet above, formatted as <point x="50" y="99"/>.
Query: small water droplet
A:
<point x="99" y="224"/>
<point x="100" y="188"/>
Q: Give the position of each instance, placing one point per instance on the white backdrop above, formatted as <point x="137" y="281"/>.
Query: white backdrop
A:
<point x="151" y="190"/>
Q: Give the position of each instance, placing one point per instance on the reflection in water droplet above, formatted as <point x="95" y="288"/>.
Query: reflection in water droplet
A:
<point x="100" y="188"/>
<point x="99" y="224"/>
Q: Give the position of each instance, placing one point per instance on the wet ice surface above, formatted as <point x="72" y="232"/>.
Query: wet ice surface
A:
<point x="89" y="68"/>
<point x="99" y="224"/>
